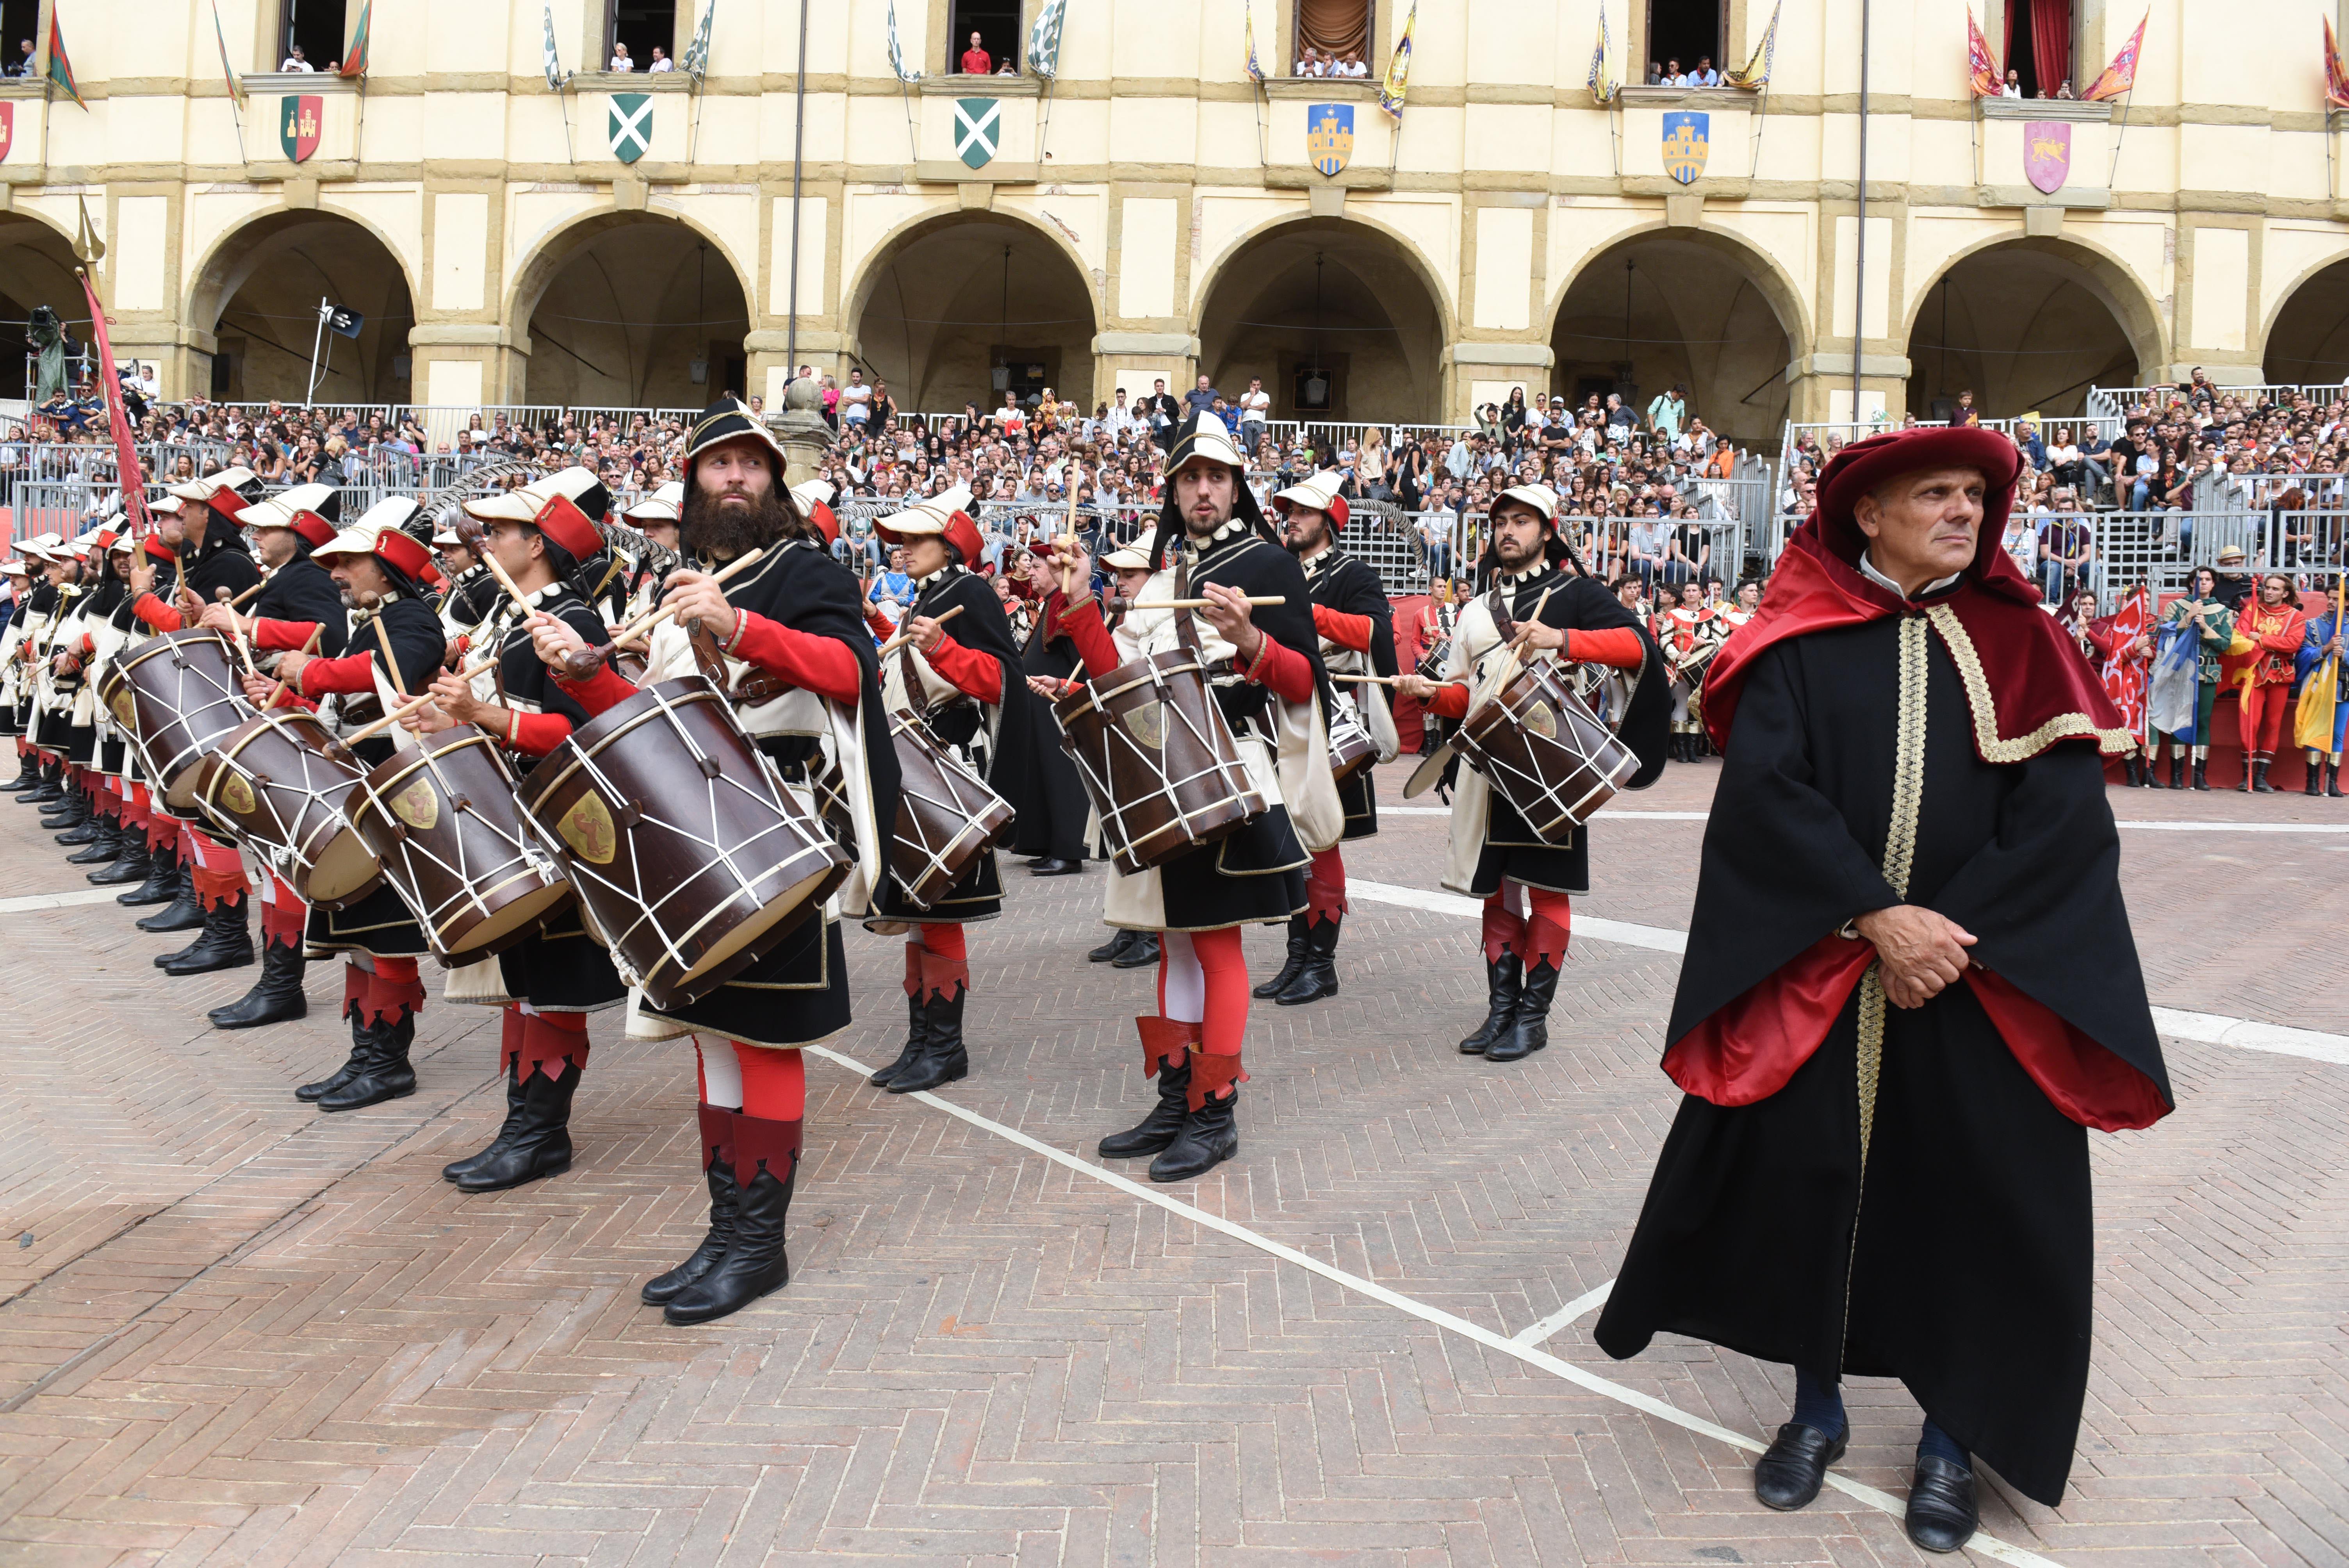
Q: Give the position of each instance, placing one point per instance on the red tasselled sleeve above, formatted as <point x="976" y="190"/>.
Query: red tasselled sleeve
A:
<point x="1082" y="624"/>
<point x="1450" y="701"/>
<point x="352" y="673"/>
<point x="1281" y="669"/>
<point x="157" y="614"/>
<point x="1618" y="646"/>
<point x="1346" y="631"/>
<point x="280" y="636"/>
<point x="536" y="734"/>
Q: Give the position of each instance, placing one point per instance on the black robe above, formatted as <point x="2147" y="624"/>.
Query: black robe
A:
<point x="1053" y="814"/>
<point x="798" y="991"/>
<point x="222" y="560"/>
<point x="982" y="627"/>
<point x="1352" y="586"/>
<point x="1968" y="1276"/>
<point x="301" y="591"/>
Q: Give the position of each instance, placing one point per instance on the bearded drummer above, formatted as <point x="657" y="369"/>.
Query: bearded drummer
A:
<point x="393" y="646"/>
<point x="1356" y="623"/>
<point x="1265" y="665"/>
<point x="968" y="679"/>
<point x="542" y="536"/>
<point x="805" y="681"/>
<point x="1533" y="607"/>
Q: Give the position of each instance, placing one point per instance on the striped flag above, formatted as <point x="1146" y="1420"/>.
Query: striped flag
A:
<point x="1756" y="73"/>
<point x="354" y="62"/>
<point x="60" y="67"/>
<point x="1044" y="39"/>
<point x="1254" y="66"/>
<point x="696" y="54"/>
<point x="2121" y="75"/>
<point x="1397" y="85"/>
<point x="235" y="82"/>
<point x="554" y="64"/>
<point x="897" y="50"/>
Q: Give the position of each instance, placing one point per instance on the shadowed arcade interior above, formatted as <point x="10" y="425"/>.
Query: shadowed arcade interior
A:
<point x="36" y="266"/>
<point x="2310" y="340"/>
<point x="2027" y="327"/>
<point x="259" y="296"/>
<point x="963" y="309"/>
<point x="633" y="310"/>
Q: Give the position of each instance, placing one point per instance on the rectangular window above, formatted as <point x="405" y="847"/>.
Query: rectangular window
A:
<point x="20" y="36"/>
<point x="995" y="24"/>
<point x="645" y="30"/>
<point x="2039" y="37"/>
<point x="313" y="27"/>
<point x="1684" y="37"/>
<point x="1333" y="33"/>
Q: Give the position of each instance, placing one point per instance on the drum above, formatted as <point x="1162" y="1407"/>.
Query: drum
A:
<point x="946" y="814"/>
<point x="1351" y="748"/>
<point x="1544" y="752"/>
<point x="281" y="781"/>
<point x="179" y="694"/>
<point x="440" y="815"/>
<point x="1159" y="762"/>
<point x="691" y="856"/>
<point x="1431" y="663"/>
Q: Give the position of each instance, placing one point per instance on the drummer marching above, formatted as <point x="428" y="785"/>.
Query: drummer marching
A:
<point x="1688" y="635"/>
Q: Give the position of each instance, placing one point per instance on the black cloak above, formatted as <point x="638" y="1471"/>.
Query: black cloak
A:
<point x="301" y="591"/>
<point x="1352" y="586"/>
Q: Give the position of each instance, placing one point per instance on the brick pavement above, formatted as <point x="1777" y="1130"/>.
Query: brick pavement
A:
<point x="234" y="1331"/>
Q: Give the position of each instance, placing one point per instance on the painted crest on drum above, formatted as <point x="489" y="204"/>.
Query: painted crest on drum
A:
<point x="1542" y="721"/>
<point x="126" y="712"/>
<point x="236" y="795"/>
<point x="1148" y="724"/>
<point x="417" y="805"/>
<point x="587" y="829"/>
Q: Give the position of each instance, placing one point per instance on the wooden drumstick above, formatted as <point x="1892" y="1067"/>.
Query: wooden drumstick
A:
<point x="893" y="644"/>
<point x="418" y="705"/>
<point x="1369" y="680"/>
<point x="1517" y="654"/>
<point x="1191" y="604"/>
<point x="280" y="695"/>
<point x="644" y="624"/>
<point x="522" y="602"/>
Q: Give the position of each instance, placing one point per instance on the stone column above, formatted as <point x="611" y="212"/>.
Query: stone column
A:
<point x="800" y="428"/>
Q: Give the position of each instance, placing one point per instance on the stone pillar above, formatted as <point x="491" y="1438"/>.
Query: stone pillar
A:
<point x="1818" y="388"/>
<point x="800" y="428"/>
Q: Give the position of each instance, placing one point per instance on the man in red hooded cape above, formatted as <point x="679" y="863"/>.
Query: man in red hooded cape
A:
<point x="1909" y="988"/>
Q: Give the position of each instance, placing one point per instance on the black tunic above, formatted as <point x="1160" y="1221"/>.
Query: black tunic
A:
<point x="221" y="560"/>
<point x="1054" y="811"/>
<point x="301" y="591"/>
<point x="381" y="924"/>
<point x="1352" y="586"/>
<point x="1969" y="1274"/>
<point x="798" y="992"/>
<point x="1511" y="851"/>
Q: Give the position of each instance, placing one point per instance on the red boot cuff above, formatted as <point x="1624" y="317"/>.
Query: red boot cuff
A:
<point x="1164" y="1041"/>
<point x="1213" y="1073"/>
<point x="763" y="1145"/>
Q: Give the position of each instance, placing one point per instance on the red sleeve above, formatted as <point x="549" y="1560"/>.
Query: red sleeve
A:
<point x="1346" y="631"/>
<point x="1281" y="669"/>
<point x="352" y="673"/>
<point x="607" y="688"/>
<point x="821" y="665"/>
<point x="1450" y="701"/>
<point x="276" y="636"/>
<point x="878" y="621"/>
<point x="1615" y="645"/>
<point x="2287" y="641"/>
<point x="88" y="646"/>
<point x="1082" y="624"/>
<point x="156" y="613"/>
<point x="971" y="672"/>
<point x="536" y="734"/>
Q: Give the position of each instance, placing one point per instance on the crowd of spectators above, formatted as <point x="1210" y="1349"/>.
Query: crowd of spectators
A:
<point x="1311" y="62"/>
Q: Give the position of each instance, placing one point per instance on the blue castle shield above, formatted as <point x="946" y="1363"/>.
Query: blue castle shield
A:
<point x="1688" y="135"/>
<point x="1330" y="135"/>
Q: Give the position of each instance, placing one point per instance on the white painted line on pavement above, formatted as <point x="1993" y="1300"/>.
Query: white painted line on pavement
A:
<point x="1540" y="1333"/>
<point x="57" y="901"/>
<point x="2210" y="1029"/>
<point x="2150" y="826"/>
<point x="1983" y="1542"/>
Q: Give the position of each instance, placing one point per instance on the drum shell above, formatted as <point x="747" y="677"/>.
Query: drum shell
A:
<point x="148" y="690"/>
<point x="688" y="883"/>
<point x="442" y="817"/>
<point x="1544" y="752"/>
<point x="1431" y="663"/>
<point x="946" y="815"/>
<point x="282" y="781"/>
<point x="1351" y="747"/>
<point x="1162" y="788"/>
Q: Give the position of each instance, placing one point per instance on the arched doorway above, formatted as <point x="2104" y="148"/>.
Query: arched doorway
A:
<point x="258" y="294"/>
<point x="37" y="267"/>
<point x="1335" y="316"/>
<point x="1678" y="307"/>
<point x="962" y="308"/>
<point x="2028" y="325"/>
<point x="633" y="310"/>
<point x="2310" y="340"/>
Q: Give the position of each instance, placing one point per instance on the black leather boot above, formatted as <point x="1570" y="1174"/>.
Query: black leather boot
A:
<point x="1529" y="1026"/>
<point x="2133" y="771"/>
<point x="1119" y="941"/>
<point x="1291" y="968"/>
<point x="2177" y="770"/>
<point x="134" y="864"/>
<point x="2259" y="785"/>
<point x="48" y="788"/>
<point x="943" y="1058"/>
<point x="1170" y="1060"/>
<point x="381" y="1051"/>
<point x="105" y="843"/>
<point x="353" y="1064"/>
<point x="72" y="810"/>
<point x="1142" y="955"/>
<point x="28" y="774"/>
<point x="540" y="1142"/>
<point x="755" y="1260"/>
<point x="1210" y="1136"/>
<point x="2333" y="781"/>
<point x="916" y="1032"/>
<point x="1502" y="977"/>
<point x="1319" y="977"/>
<point x="506" y="1128"/>
<point x="162" y="883"/>
<point x="275" y="998"/>
<point x="226" y="943"/>
<point x="2315" y="782"/>
<point x="186" y="911"/>
<point x="725" y="1202"/>
<point x="2201" y="773"/>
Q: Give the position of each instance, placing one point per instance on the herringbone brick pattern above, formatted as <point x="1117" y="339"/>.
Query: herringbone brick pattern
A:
<point x="234" y="1331"/>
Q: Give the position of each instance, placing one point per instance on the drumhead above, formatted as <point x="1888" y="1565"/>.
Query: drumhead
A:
<point x="344" y="870"/>
<point x="511" y="925"/>
<point x="785" y="910"/>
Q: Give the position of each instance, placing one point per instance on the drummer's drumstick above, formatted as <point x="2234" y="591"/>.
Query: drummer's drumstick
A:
<point x="241" y="598"/>
<point x="1516" y="653"/>
<point x="279" y="695"/>
<point x="520" y="602"/>
<point x="581" y="665"/>
<point x="486" y="662"/>
<point x="1193" y="604"/>
<point x="893" y="644"/>
<point x="1370" y="680"/>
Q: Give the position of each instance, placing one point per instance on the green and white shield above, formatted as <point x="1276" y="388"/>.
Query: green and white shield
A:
<point x="632" y="126"/>
<point x="977" y="130"/>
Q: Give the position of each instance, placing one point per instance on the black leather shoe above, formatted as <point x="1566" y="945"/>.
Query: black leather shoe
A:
<point x="226" y="943"/>
<point x="540" y="1142"/>
<point x="384" y="1072"/>
<point x="1119" y="941"/>
<point x="276" y="998"/>
<point x="943" y="1058"/>
<point x="1164" y="1123"/>
<point x="1143" y="954"/>
<point x="725" y="1200"/>
<point x="135" y="864"/>
<point x="917" y="1033"/>
<point x="1056" y="867"/>
<point x="1941" y="1515"/>
<point x="1291" y="968"/>
<point x="1790" y="1473"/>
<point x="1210" y="1136"/>
<point x="1529" y="1029"/>
<point x="1318" y="976"/>
<point x="1503" y="978"/>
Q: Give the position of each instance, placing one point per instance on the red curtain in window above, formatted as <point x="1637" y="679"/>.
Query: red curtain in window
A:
<point x="2051" y="42"/>
<point x="1340" y="27"/>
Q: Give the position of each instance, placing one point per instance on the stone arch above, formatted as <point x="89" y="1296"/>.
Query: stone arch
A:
<point x="36" y="268"/>
<point x="1701" y="308"/>
<point x="2306" y="338"/>
<point x="618" y="309"/>
<point x="1348" y="298"/>
<point x="256" y="294"/>
<point x="946" y="299"/>
<point x="2086" y="320"/>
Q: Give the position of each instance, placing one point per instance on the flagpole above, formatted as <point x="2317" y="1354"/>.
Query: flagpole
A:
<point x="317" y="337"/>
<point x="2114" y="173"/>
<point x="799" y="142"/>
<point x="562" y="102"/>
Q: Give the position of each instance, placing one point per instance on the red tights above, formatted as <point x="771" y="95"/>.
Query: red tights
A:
<point x="1203" y="1001"/>
<point x="1325" y="886"/>
<point x="390" y="990"/>
<point x="2263" y="721"/>
<point x="757" y="1081"/>
<point x="1538" y="938"/>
